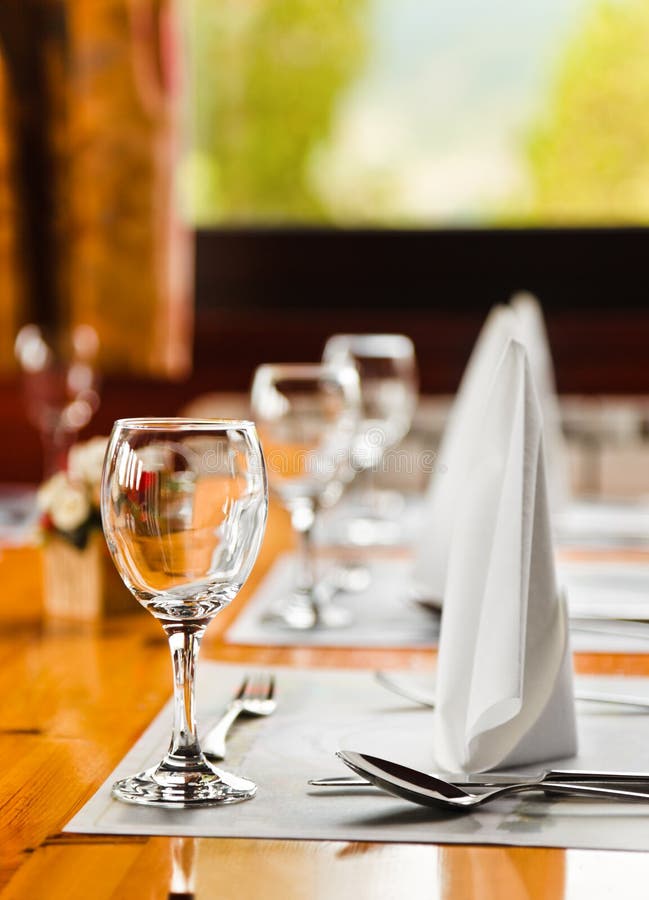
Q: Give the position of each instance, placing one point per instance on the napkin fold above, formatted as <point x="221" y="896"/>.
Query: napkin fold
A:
<point x="521" y="320"/>
<point x="504" y="691"/>
<point x="454" y="451"/>
<point x="532" y="333"/>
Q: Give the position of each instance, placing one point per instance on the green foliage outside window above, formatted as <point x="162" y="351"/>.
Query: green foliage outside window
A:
<point x="266" y="76"/>
<point x="589" y="154"/>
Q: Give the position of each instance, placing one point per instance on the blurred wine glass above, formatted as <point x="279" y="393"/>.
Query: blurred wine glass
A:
<point x="60" y="385"/>
<point x="306" y="416"/>
<point x="389" y="386"/>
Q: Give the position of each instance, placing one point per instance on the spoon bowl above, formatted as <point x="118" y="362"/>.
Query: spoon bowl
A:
<point x="429" y="790"/>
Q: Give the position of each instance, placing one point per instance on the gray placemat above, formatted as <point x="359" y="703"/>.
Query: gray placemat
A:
<point x="602" y="523"/>
<point x="19" y="515"/>
<point x="321" y="711"/>
<point x="385" y="615"/>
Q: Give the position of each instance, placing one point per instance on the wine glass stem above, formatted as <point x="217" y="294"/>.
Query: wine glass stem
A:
<point x="372" y="494"/>
<point x="303" y="519"/>
<point x="370" y="486"/>
<point x="184" y="643"/>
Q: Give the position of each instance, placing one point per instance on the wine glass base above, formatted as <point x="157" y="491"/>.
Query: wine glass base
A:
<point x="300" y="614"/>
<point x="207" y="787"/>
<point x="350" y="577"/>
<point x="334" y="617"/>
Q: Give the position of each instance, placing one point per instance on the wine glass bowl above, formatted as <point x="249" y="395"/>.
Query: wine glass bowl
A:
<point x="306" y="414"/>
<point x="184" y="506"/>
<point x="389" y="387"/>
<point x="388" y="378"/>
<point x="60" y="385"/>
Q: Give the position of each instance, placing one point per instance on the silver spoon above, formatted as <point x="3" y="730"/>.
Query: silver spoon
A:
<point x="427" y="790"/>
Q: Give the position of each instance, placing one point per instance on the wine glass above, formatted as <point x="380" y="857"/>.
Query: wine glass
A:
<point x="184" y="506"/>
<point x="388" y="377"/>
<point x="60" y="386"/>
<point x="306" y="416"/>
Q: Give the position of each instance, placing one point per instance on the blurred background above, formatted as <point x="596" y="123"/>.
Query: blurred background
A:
<point x="189" y="189"/>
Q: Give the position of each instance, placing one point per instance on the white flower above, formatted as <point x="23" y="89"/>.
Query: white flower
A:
<point x="85" y="461"/>
<point x="66" y="503"/>
<point x="49" y="492"/>
<point x="70" y="507"/>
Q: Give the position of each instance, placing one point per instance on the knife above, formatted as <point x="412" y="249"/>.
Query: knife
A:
<point x="493" y="779"/>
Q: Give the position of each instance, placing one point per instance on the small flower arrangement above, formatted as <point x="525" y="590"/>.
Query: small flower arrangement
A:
<point x="69" y="501"/>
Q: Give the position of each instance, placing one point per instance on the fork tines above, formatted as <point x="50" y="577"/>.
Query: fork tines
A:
<point x="258" y="686"/>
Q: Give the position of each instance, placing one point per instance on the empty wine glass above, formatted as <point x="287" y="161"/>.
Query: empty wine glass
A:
<point x="184" y="506"/>
<point x="306" y="416"/>
<point x="388" y="377"/>
<point x="60" y="385"/>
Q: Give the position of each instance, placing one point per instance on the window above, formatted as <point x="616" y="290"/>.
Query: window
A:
<point x="418" y="113"/>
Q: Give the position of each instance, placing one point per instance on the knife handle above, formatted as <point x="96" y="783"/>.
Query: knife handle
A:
<point x="581" y="775"/>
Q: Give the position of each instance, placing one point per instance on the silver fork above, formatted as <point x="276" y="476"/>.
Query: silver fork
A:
<point x="255" y="697"/>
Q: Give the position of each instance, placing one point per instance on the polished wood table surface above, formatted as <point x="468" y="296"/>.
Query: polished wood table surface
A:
<point x="74" y="702"/>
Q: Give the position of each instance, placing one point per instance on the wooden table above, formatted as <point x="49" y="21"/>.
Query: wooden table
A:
<point x="74" y="702"/>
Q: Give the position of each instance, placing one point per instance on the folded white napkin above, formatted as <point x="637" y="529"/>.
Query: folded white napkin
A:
<point x="531" y="332"/>
<point x="457" y="444"/>
<point x="522" y="320"/>
<point x="504" y="680"/>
